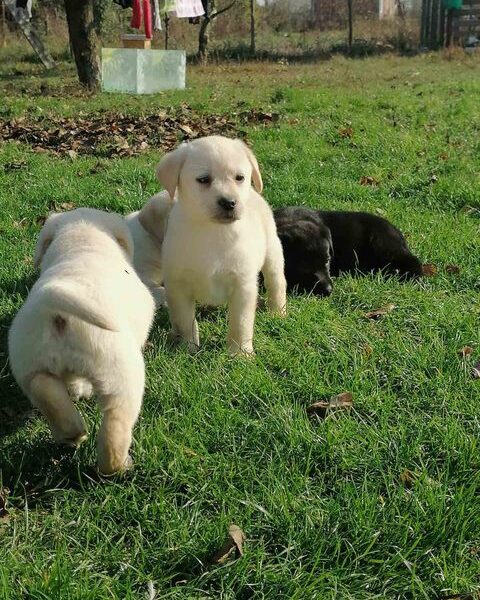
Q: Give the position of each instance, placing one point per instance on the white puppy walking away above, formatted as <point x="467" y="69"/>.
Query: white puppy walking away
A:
<point x="147" y="227"/>
<point x="220" y="235"/>
<point x="82" y="329"/>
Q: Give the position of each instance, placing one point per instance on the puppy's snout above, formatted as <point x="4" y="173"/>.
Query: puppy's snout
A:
<point x="226" y="203"/>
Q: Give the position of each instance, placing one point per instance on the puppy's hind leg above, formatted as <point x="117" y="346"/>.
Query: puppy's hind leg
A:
<point x="50" y="395"/>
<point x="120" y="399"/>
<point x="274" y="277"/>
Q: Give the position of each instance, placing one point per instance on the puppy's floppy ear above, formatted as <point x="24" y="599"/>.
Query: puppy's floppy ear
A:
<point x="47" y="233"/>
<point x="154" y="215"/>
<point x="168" y="169"/>
<point x="256" y="176"/>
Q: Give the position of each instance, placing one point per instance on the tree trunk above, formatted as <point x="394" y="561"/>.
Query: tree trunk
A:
<point x="203" y="40"/>
<point x="350" y="25"/>
<point x="252" y="28"/>
<point x="209" y="7"/>
<point x="83" y="40"/>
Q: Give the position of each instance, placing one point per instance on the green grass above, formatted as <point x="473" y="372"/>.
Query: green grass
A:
<point x="224" y="441"/>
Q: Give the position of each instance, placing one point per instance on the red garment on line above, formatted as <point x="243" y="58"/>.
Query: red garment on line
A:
<point x="147" y="19"/>
<point x="142" y="8"/>
<point x="136" y="15"/>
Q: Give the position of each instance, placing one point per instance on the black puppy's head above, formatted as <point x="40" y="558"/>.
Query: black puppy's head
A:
<point x="307" y="249"/>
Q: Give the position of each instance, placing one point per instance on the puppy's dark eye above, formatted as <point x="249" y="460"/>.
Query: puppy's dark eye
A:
<point x="240" y="178"/>
<point x="204" y="179"/>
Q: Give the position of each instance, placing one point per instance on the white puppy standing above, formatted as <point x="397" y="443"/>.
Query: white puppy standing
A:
<point x="82" y="329"/>
<point x="220" y="235"/>
<point x="147" y="227"/>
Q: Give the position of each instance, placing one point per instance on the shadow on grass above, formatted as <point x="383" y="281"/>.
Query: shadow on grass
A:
<point x="361" y="48"/>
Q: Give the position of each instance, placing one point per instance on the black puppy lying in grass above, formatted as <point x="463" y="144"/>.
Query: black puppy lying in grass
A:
<point x="318" y="244"/>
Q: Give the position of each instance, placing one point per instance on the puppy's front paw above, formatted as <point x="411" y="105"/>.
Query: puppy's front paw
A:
<point x="245" y="351"/>
<point x="74" y="441"/>
<point x="111" y="469"/>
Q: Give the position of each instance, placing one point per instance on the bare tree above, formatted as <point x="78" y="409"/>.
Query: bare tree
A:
<point x="208" y="17"/>
<point x="83" y="40"/>
<point x="350" y="25"/>
<point x="252" y="28"/>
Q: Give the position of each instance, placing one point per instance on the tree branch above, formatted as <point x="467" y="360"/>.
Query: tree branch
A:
<point x="219" y="12"/>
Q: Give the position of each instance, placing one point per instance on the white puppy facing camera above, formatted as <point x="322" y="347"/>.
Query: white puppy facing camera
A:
<point x="221" y="234"/>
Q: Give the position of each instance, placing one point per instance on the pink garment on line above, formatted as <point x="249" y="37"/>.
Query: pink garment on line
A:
<point x="188" y="8"/>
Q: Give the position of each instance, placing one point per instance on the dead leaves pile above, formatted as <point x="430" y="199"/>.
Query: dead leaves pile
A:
<point x="110" y="135"/>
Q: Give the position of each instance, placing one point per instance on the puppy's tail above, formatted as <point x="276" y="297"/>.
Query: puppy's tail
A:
<point x="65" y="299"/>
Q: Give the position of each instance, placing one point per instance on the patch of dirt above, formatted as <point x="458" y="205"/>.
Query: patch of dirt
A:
<point x="109" y="135"/>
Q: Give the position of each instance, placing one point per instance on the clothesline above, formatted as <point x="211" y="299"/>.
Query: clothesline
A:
<point x="149" y="12"/>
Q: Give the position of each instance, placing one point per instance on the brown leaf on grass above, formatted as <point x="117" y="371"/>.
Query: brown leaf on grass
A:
<point x="408" y="478"/>
<point x="4" y="513"/>
<point x="379" y="312"/>
<point x="64" y="206"/>
<point x="368" y="180"/>
<point x="454" y="269"/>
<point x="233" y="545"/>
<point x="465" y="351"/>
<point x="20" y="224"/>
<point x="476" y="371"/>
<point x="346" y="132"/>
<point x="429" y="270"/>
<point x="343" y="401"/>
<point x="367" y="350"/>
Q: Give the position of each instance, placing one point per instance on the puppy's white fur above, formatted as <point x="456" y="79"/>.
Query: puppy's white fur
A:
<point x="212" y="255"/>
<point x="147" y="227"/>
<point x="82" y="329"/>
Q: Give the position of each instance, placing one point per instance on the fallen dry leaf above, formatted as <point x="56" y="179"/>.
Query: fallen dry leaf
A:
<point x="455" y="269"/>
<point x="379" y="312"/>
<point x="408" y="478"/>
<point x="465" y="351"/>
<point x="429" y="270"/>
<point x="476" y="370"/>
<point x="368" y="180"/>
<point x="346" y="132"/>
<point x="233" y="545"/>
<point x="64" y="206"/>
<point x="343" y="401"/>
<point x="20" y="224"/>
<point x="367" y="350"/>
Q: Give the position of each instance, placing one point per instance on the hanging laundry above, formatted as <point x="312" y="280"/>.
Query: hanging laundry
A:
<point x="142" y="10"/>
<point x="188" y="8"/>
<point x="157" y="23"/>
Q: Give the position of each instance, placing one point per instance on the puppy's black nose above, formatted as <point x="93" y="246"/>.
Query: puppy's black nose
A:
<point x="226" y="203"/>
